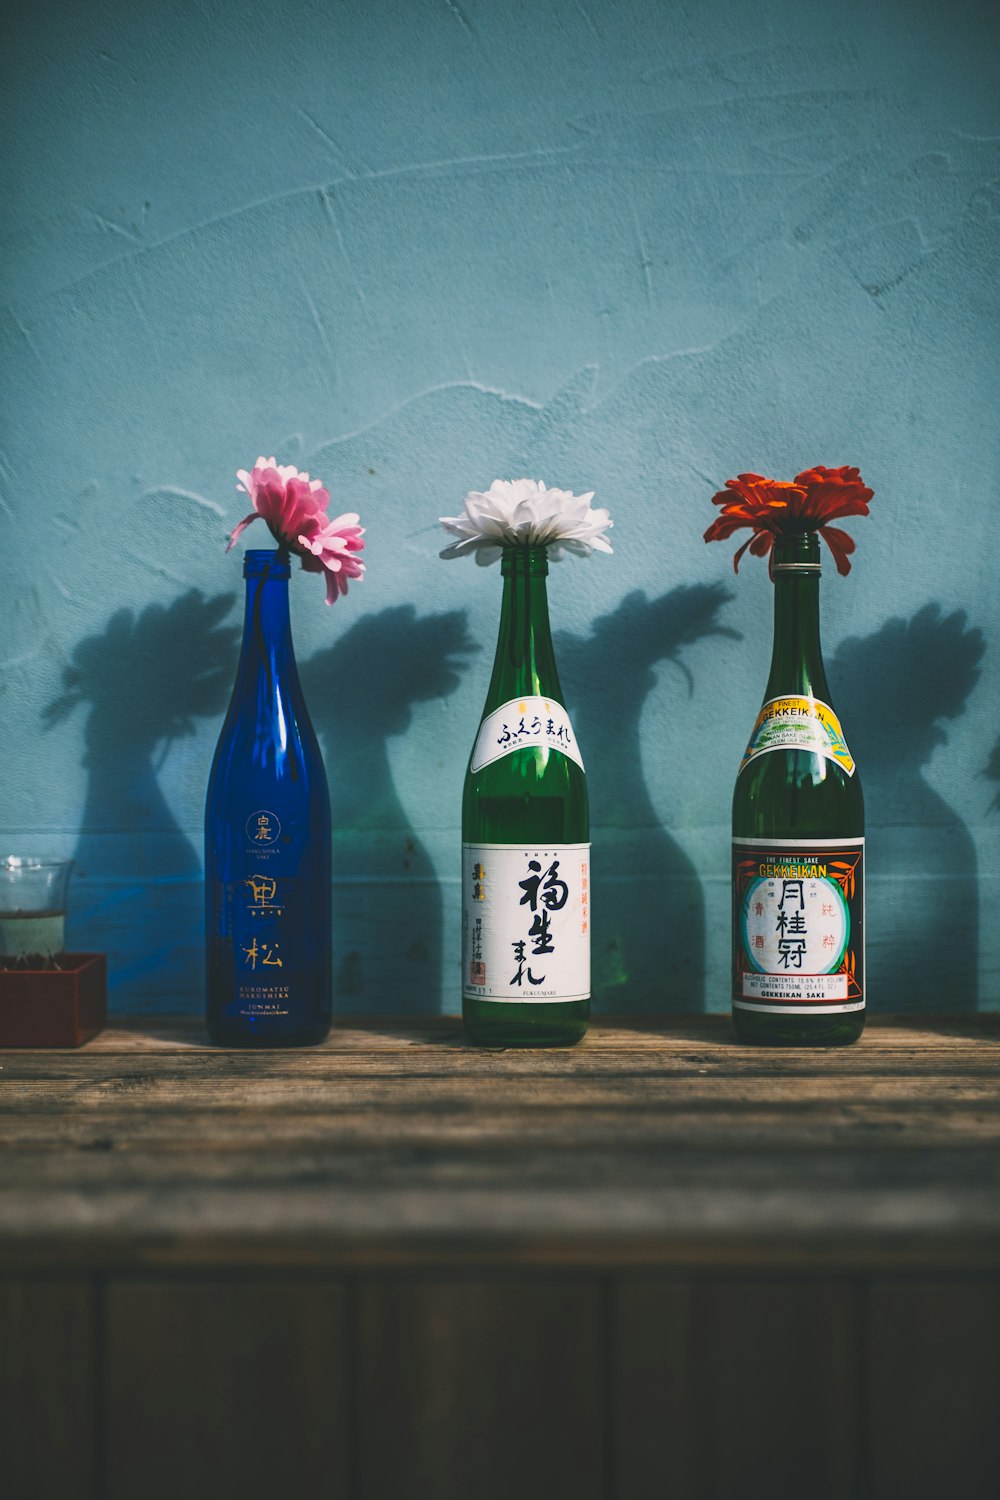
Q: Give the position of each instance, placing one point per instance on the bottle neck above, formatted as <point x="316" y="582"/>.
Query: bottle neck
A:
<point x="267" y="655"/>
<point x="797" y="657"/>
<point x="525" y="661"/>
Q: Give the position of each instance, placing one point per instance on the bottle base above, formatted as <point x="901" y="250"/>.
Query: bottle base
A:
<point x="765" y="1029"/>
<point x="237" y="1036"/>
<point x="489" y="1025"/>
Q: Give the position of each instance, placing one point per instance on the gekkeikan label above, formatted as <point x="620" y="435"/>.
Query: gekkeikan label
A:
<point x="526" y="922"/>
<point x="798" y="925"/>
<point x="524" y="722"/>
<point x="797" y="723"/>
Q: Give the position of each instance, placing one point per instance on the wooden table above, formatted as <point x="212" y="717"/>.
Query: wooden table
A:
<point x="660" y="1264"/>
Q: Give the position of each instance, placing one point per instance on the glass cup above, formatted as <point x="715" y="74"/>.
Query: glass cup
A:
<point x="32" y="910"/>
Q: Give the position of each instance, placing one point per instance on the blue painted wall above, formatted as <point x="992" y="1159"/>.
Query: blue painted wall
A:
<point x="414" y="245"/>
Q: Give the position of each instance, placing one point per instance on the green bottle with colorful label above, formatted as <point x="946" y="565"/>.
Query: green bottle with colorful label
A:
<point x="798" y="839"/>
<point x="798" y="849"/>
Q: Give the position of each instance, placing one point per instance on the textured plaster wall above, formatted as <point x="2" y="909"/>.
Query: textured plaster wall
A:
<point x="414" y="245"/>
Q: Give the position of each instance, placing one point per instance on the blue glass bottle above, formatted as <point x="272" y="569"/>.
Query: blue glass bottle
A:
<point x="267" y="841"/>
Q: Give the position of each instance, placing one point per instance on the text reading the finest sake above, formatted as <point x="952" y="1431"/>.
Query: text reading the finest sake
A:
<point x="525" y="723"/>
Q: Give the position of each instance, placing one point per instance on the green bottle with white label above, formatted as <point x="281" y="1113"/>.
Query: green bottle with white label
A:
<point x="798" y="839"/>
<point x="525" y="838"/>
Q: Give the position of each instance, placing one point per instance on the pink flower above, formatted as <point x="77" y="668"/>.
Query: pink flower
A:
<point x="294" y="507"/>
<point x="331" y="550"/>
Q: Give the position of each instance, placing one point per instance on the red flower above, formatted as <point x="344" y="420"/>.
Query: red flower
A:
<point x="776" y="509"/>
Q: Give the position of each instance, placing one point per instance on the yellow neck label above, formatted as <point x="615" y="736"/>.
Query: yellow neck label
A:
<point x="797" y="723"/>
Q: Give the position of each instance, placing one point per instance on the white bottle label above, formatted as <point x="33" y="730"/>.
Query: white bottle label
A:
<point x="521" y="722"/>
<point x="526" y="922"/>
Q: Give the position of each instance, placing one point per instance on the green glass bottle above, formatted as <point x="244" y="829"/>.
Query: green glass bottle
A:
<point x="798" y="839"/>
<point x="525" y="838"/>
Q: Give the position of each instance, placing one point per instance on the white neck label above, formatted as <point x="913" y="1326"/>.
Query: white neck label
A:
<point x="524" y="723"/>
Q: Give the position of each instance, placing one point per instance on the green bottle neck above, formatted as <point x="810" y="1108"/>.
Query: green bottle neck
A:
<point x="525" y="663"/>
<point x="797" y="657"/>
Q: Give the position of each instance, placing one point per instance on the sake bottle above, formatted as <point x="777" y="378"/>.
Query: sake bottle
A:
<point x="525" y="838"/>
<point x="798" y="838"/>
<point x="267" y="841"/>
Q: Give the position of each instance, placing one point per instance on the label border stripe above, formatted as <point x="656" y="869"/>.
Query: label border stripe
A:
<point x="525" y="844"/>
<point x="824" y="754"/>
<point x="796" y="1009"/>
<point x="818" y="844"/>
<point x="525" y="999"/>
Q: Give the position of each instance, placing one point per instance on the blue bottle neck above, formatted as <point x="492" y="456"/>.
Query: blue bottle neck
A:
<point x="267" y="628"/>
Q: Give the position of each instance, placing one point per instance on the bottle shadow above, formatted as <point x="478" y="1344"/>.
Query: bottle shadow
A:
<point x="388" y="914"/>
<point x="143" y="681"/>
<point x="893" y="688"/>
<point x="991" y="771"/>
<point x="648" y="952"/>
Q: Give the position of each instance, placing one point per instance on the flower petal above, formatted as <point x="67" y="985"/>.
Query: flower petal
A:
<point x="840" y="544"/>
<point x="525" y="512"/>
<point x="238" y="531"/>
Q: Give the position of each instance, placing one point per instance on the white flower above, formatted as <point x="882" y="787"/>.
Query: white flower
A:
<point x="522" y="512"/>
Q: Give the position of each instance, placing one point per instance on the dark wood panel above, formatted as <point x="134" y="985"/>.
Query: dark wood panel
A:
<point x="810" y="1209"/>
<point x="219" y="1388"/>
<point x="484" y="1389"/>
<point x="48" y="1402"/>
<point x="933" y="1377"/>
<point x="739" y="1388"/>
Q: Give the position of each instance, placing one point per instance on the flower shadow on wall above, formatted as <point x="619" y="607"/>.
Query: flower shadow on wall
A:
<point x="144" y="680"/>
<point x="387" y="914"/>
<point x="649" y="912"/>
<point x="892" y="689"/>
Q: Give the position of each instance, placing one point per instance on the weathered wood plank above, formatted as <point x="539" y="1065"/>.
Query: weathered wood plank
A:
<point x="667" y="1052"/>
<point x="186" y="1033"/>
<point x="485" y="1389"/>
<point x="48" y="1389"/>
<point x="226" y="1387"/>
<point x="582" y="1127"/>
<point x="648" y="1154"/>
<point x="736" y="1388"/>
<point x="141" y="1078"/>
<point x="821" y="1208"/>
<point x="405" y="1097"/>
<point x="933" y="1388"/>
<point x="470" y="1163"/>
